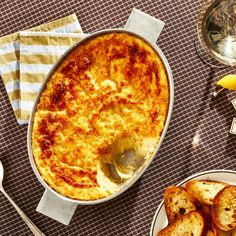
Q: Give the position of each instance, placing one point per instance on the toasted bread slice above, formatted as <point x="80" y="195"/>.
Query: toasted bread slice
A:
<point x="224" y="209"/>
<point x="177" y="202"/>
<point x="190" y="224"/>
<point x="204" y="190"/>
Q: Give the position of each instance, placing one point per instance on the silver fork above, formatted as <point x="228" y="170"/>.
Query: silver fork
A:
<point x="30" y="224"/>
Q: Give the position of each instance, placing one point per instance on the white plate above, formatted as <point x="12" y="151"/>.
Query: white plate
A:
<point x="160" y="220"/>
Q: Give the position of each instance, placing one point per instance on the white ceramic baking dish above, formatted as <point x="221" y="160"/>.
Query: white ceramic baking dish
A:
<point x="59" y="207"/>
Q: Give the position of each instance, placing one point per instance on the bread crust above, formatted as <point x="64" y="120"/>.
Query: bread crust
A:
<point x="224" y="208"/>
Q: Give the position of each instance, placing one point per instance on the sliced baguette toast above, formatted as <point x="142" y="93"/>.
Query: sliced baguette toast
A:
<point x="190" y="224"/>
<point x="224" y="209"/>
<point x="204" y="191"/>
<point x="177" y="202"/>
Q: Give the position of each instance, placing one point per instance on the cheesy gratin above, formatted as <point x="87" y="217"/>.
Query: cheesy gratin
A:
<point x="107" y="100"/>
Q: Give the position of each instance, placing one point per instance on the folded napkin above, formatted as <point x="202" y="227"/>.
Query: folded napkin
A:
<point x="33" y="44"/>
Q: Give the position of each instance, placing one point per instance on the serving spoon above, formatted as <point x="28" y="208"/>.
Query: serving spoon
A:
<point x="30" y="224"/>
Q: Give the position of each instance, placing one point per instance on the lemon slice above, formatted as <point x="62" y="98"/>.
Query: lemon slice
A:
<point x="228" y="82"/>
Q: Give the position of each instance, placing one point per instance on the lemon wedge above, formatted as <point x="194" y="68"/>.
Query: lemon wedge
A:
<point x="228" y="82"/>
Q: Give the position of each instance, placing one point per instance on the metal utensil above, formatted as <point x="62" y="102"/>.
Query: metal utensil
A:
<point x="30" y="224"/>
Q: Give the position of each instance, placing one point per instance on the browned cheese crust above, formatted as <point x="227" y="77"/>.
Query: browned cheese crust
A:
<point x="108" y="95"/>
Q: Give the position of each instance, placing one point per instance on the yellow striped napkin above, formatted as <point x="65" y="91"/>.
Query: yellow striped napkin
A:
<point x="38" y="53"/>
<point x="9" y="69"/>
<point x="9" y="57"/>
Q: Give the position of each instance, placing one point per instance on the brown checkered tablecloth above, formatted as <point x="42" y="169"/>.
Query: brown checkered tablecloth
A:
<point x="194" y="111"/>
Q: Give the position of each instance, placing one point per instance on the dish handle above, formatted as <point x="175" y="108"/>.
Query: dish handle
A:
<point x="56" y="208"/>
<point x="144" y="25"/>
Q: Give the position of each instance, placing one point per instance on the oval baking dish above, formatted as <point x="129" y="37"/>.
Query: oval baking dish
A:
<point x="137" y="174"/>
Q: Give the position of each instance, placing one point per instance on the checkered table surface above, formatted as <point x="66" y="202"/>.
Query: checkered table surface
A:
<point x="194" y="111"/>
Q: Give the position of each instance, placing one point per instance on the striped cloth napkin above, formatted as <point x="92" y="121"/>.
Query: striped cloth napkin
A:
<point x="26" y="57"/>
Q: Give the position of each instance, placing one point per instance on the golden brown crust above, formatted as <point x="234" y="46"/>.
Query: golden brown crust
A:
<point x="107" y="96"/>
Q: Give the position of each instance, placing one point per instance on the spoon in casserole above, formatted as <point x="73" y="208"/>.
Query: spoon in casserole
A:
<point x="30" y="224"/>
<point x="124" y="164"/>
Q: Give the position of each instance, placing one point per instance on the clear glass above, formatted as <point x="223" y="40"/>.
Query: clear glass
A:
<point x="217" y="30"/>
